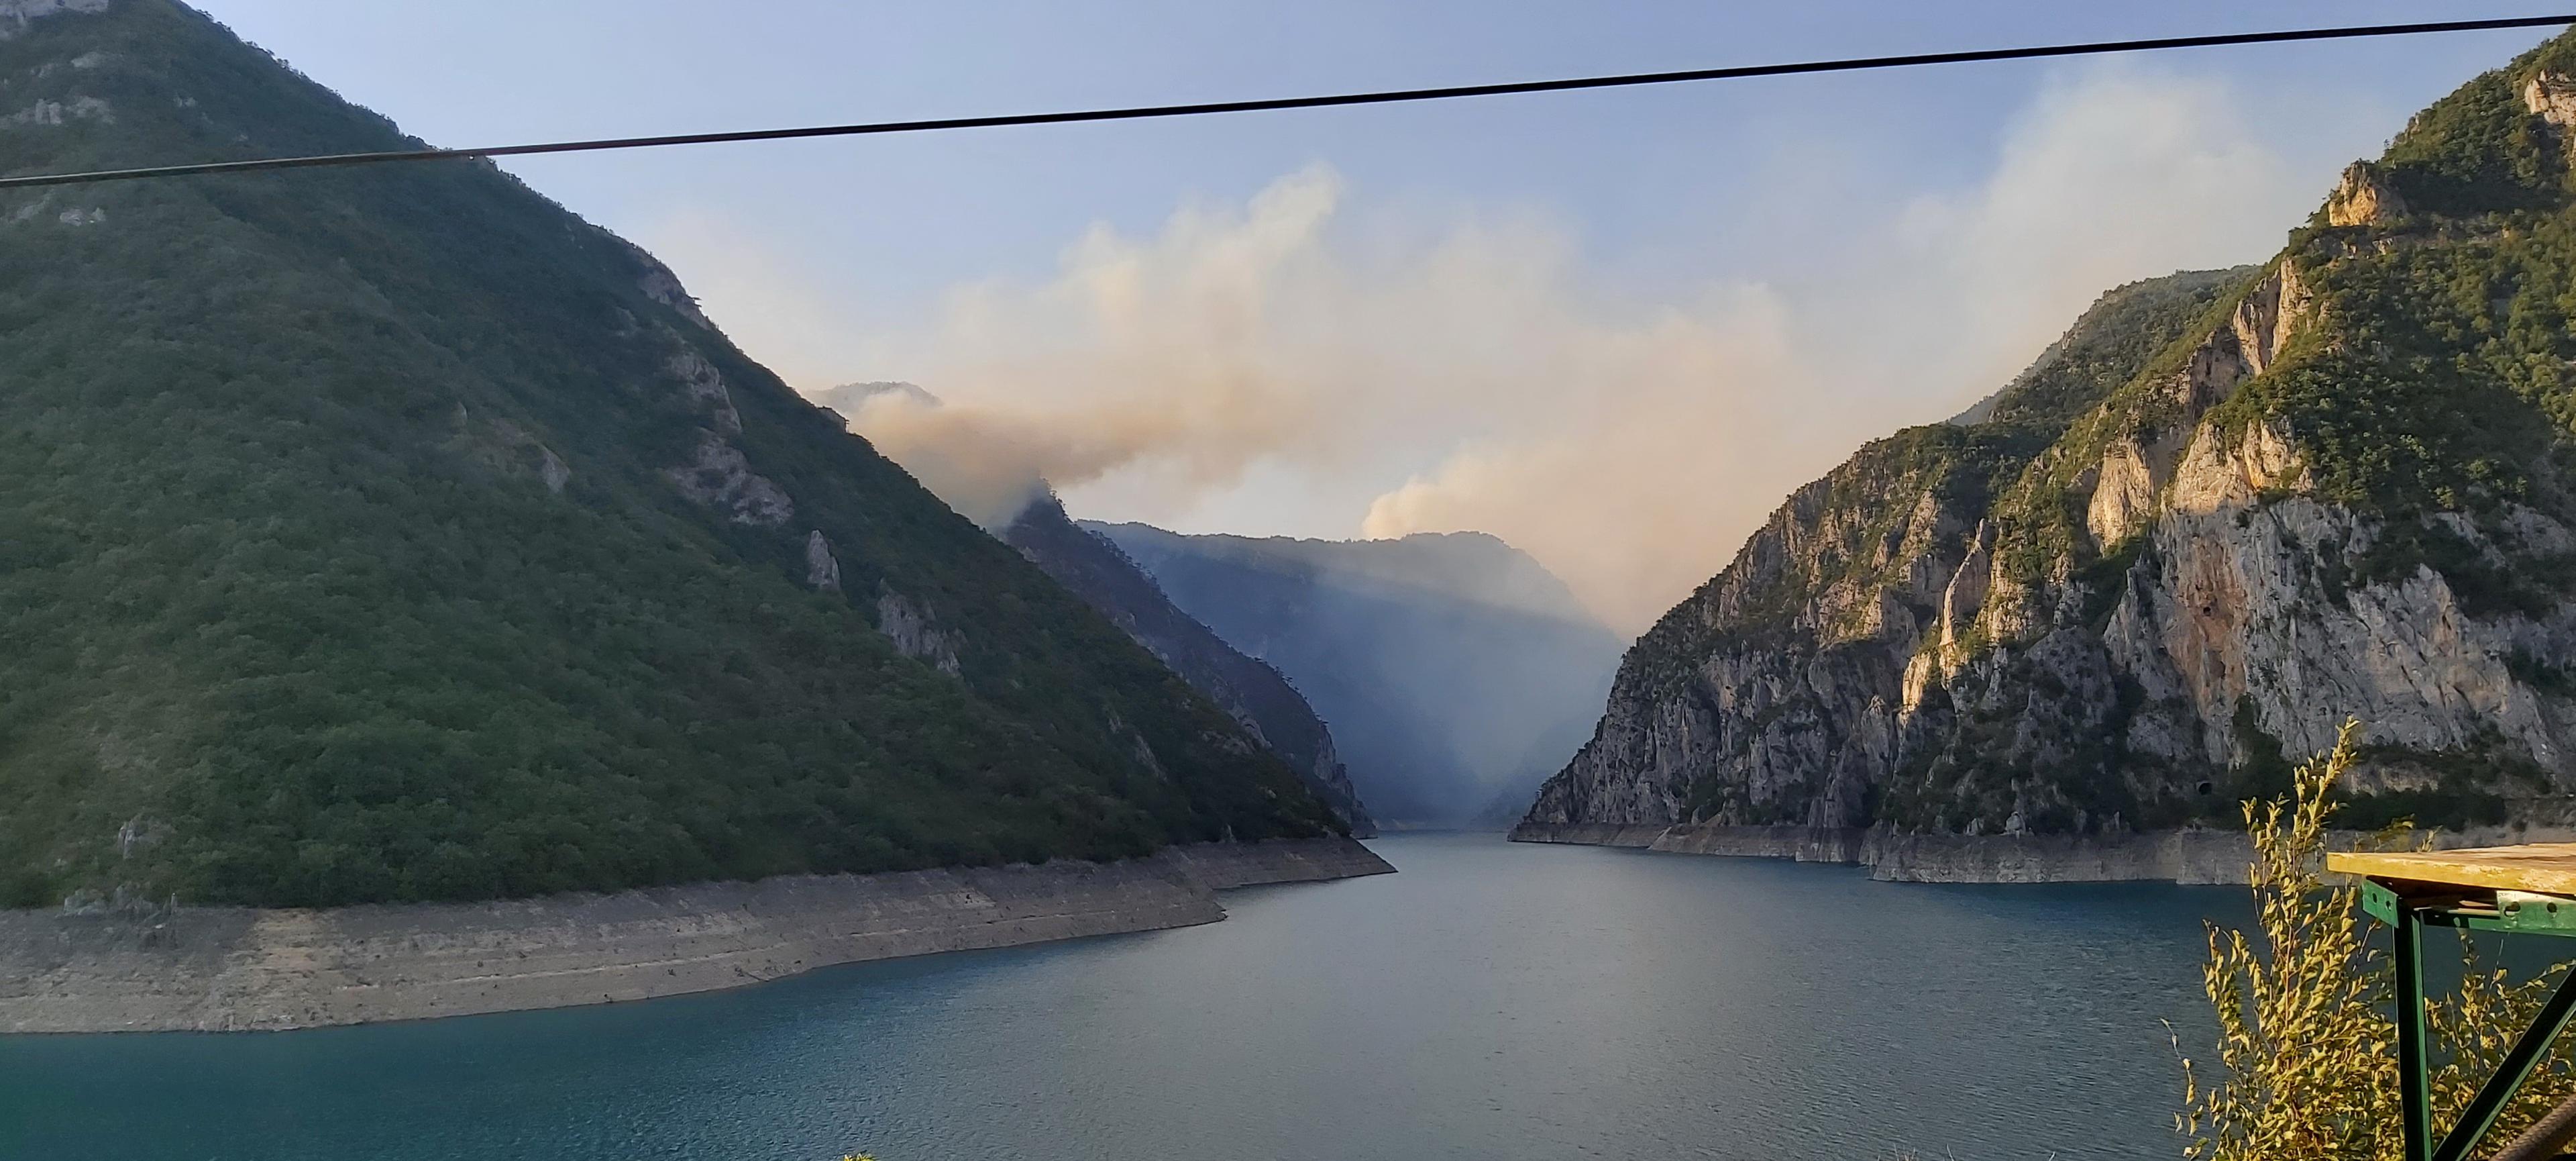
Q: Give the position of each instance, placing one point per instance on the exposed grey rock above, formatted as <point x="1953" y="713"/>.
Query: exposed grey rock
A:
<point x="2233" y="606"/>
<point x="822" y="569"/>
<point x="45" y="113"/>
<point x="720" y="477"/>
<point x="915" y="634"/>
<point x="658" y="283"/>
<point x="1144" y="750"/>
<point x="706" y="386"/>
<point x="504" y="446"/>
<point x="136" y="832"/>
<point x="2262" y="322"/>
<point x="16" y="15"/>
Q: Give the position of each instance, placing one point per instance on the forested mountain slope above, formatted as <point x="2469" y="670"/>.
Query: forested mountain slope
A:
<point x="391" y="533"/>
<point x="2219" y="518"/>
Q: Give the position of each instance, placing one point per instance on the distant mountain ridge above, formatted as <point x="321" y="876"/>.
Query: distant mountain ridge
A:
<point x="1258" y="696"/>
<point x="2116" y="335"/>
<point x="393" y="534"/>
<point x="1451" y="667"/>
<point x="846" y="399"/>
<point x="1475" y="567"/>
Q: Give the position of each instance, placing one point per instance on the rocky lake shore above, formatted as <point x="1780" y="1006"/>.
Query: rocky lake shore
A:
<point x="2199" y="856"/>
<point x="239" y="968"/>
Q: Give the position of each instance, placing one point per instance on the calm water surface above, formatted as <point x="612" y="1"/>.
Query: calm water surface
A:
<point x="1492" y="1001"/>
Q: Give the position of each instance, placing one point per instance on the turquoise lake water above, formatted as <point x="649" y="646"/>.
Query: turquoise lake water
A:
<point x="1494" y="1000"/>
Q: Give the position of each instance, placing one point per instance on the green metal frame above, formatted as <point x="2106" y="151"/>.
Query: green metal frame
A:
<point x="2408" y="914"/>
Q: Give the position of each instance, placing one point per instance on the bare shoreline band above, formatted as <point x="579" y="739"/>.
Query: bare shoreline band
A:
<point x="240" y="969"/>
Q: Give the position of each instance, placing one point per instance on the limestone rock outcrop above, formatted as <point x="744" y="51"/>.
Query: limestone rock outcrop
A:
<point x="822" y="569"/>
<point x="915" y="634"/>
<point x="2551" y="96"/>
<point x="720" y="477"/>
<point x="2363" y="197"/>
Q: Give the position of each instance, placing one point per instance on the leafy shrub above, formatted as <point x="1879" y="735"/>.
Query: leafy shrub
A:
<point x="2306" y="1066"/>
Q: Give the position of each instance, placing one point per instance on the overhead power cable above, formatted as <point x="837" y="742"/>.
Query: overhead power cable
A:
<point x="1327" y="101"/>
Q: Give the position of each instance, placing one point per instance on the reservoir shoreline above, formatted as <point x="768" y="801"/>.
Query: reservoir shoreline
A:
<point x="1497" y="1001"/>
<point x="238" y="969"/>
<point x="2196" y="857"/>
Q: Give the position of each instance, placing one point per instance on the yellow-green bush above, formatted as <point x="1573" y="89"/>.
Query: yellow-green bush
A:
<point x="2306" y="1062"/>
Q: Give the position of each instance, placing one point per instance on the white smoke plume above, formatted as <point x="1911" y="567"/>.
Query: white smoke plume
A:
<point x="1477" y="378"/>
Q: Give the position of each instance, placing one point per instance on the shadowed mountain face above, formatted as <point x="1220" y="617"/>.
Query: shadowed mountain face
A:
<point x="1256" y="694"/>
<point x="2228" y="512"/>
<point x="392" y="533"/>
<point x="1453" y="669"/>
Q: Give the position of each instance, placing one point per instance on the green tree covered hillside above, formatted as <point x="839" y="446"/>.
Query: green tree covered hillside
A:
<point x="391" y="533"/>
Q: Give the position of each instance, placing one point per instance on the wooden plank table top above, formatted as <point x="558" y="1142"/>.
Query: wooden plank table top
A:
<point x="2540" y="868"/>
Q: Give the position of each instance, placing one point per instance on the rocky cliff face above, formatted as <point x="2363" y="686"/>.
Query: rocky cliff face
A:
<point x="1257" y="696"/>
<point x="2222" y="515"/>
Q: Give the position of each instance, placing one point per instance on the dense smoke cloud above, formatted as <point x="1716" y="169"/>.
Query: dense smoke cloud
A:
<point x="989" y="461"/>
<point x="1167" y="355"/>
<point x="2120" y="178"/>
<point x="1475" y="376"/>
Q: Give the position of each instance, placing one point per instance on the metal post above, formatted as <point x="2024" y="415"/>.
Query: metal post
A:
<point x="2414" y="1081"/>
<point x="2516" y="1067"/>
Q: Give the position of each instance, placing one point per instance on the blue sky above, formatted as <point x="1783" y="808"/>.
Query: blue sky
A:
<point x="1615" y="327"/>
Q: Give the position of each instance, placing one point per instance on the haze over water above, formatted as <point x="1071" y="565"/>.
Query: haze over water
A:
<point x="1491" y="1001"/>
